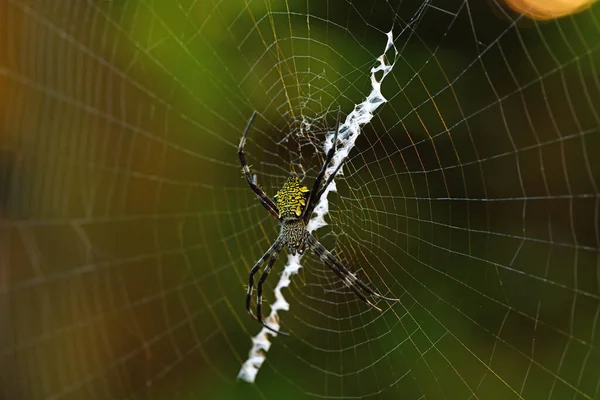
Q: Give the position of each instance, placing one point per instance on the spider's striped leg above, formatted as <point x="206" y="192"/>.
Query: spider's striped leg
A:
<point x="253" y="272"/>
<point x="274" y="254"/>
<point x="315" y="193"/>
<point x="349" y="282"/>
<point x="264" y="199"/>
<point x="350" y="279"/>
<point x="356" y="279"/>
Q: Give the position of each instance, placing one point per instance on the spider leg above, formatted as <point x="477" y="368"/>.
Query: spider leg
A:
<point x="264" y="199"/>
<point x="350" y="279"/>
<point x="313" y="199"/>
<point x="349" y="282"/>
<point x="327" y="182"/>
<point x="274" y="255"/>
<point x="253" y="272"/>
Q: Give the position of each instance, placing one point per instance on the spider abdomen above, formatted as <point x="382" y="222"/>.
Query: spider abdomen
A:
<point x="291" y="199"/>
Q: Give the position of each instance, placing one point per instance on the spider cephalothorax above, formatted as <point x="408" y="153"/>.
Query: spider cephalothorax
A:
<point x="293" y="206"/>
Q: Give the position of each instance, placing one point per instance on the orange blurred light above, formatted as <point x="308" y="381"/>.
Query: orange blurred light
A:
<point x="548" y="9"/>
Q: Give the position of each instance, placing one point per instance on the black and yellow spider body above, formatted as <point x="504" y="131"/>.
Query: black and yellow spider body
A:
<point x="293" y="207"/>
<point x="291" y="201"/>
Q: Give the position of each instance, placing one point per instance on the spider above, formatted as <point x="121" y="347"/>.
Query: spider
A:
<point x="293" y="207"/>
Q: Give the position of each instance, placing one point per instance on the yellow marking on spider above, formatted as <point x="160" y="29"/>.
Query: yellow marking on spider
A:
<point x="291" y="198"/>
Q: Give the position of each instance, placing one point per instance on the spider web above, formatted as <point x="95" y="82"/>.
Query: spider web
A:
<point x="127" y="231"/>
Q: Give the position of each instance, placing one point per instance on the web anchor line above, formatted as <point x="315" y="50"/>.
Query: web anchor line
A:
<point x="347" y="135"/>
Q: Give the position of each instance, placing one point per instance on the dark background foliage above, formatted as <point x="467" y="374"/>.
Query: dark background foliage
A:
<point x="128" y="233"/>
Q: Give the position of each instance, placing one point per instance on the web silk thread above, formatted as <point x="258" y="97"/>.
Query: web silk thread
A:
<point x="347" y="135"/>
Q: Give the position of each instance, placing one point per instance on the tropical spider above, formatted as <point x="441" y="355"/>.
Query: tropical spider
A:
<point x="293" y="207"/>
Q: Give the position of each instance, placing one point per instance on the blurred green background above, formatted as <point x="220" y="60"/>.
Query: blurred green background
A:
<point x="128" y="232"/>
